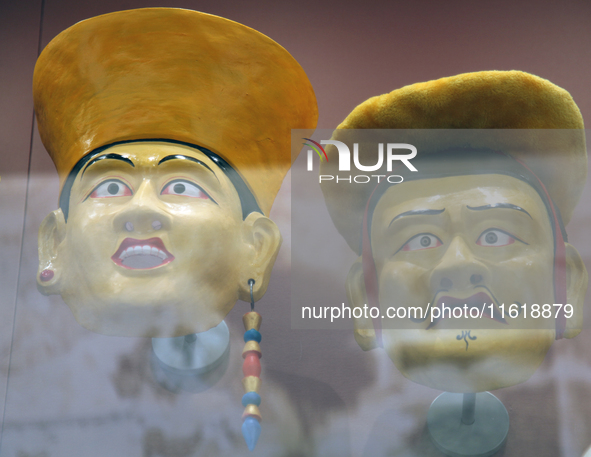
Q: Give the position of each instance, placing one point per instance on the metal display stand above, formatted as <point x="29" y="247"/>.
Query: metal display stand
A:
<point x="468" y="425"/>
<point x="192" y="362"/>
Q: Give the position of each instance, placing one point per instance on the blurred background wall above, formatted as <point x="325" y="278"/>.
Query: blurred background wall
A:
<point x="65" y="391"/>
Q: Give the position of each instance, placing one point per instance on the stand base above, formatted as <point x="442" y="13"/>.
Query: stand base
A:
<point x="193" y="362"/>
<point x="481" y="439"/>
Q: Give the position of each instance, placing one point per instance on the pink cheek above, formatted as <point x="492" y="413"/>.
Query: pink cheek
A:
<point x="404" y="283"/>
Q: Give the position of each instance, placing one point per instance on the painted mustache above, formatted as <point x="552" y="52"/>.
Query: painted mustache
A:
<point x="142" y="254"/>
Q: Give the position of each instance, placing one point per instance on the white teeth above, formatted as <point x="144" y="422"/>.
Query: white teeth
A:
<point x="142" y="250"/>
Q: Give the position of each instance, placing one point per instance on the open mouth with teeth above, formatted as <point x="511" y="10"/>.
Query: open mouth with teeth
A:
<point x="142" y="254"/>
<point x="481" y="301"/>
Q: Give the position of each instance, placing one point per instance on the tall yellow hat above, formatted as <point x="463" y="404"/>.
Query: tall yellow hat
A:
<point x="167" y="73"/>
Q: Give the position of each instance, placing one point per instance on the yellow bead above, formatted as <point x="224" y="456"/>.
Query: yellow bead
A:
<point x="252" y="346"/>
<point x="252" y="320"/>
<point x="252" y="410"/>
<point x="251" y="384"/>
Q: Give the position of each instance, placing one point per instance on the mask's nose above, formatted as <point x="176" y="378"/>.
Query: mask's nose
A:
<point x="458" y="268"/>
<point x="144" y="214"/>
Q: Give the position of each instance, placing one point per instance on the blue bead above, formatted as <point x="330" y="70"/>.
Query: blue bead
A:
<point x="251" y="430"/>
<point x="251" y="398"/>
<point x="252" y="335"/>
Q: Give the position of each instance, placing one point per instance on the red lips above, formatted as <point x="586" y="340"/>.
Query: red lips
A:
<point x="137" y="254"/>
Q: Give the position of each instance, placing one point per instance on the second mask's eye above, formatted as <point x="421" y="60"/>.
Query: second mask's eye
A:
<point x="184" y="188"/>
<point x="422" y="241"/>
<point x="111" y="188"/>
<point x="492" y="237"/>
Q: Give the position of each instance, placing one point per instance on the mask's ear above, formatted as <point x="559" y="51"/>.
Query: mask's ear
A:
<point x="262" y="239"/>
<point x="51" y="234"/>
<point x="365" y="334"/>
<point x="576" y="287"/>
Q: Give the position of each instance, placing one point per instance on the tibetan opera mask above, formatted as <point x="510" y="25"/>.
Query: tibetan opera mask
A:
<point x="467" y="258"/>
<point x="170" y="131"/>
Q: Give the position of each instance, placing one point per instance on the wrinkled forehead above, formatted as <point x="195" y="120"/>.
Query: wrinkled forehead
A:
<point x="457" y="193"/>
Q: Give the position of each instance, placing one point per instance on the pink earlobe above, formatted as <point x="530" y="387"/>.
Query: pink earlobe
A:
<point x="46" y="275"/>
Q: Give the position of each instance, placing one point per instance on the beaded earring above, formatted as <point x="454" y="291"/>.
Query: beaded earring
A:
<point x="251" y="425"/>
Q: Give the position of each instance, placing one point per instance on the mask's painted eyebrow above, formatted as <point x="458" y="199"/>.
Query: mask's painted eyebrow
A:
<point x="183" y="157"/>
<point x="418" y="212"/>
<point x="499" y="205"/>
<point x="108" y="156"/>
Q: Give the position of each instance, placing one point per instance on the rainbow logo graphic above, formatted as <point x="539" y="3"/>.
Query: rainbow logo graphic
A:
<point x="316" y="148"/>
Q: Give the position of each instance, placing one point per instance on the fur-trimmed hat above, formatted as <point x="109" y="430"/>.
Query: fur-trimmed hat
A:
<point x="489" y="100"/>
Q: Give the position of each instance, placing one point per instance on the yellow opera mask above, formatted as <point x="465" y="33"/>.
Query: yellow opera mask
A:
<point x="478" y="227"/>
<point x="155" y="243"/>
<point x="481" y="242"/>
<point x="170" y="131"/>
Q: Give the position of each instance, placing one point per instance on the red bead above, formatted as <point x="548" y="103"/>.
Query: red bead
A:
<point x="251" y="366"/>
<point x="46" y="275"/>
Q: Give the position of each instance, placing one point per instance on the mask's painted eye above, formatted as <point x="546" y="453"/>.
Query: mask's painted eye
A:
<point x="111" y="188"/>
<point x="422" y="241"/>
<point x="184" y="189"/>
<point x="492" y="237"/>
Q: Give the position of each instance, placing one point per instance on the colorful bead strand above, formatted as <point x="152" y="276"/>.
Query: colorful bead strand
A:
<point x="251" y="367"/>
